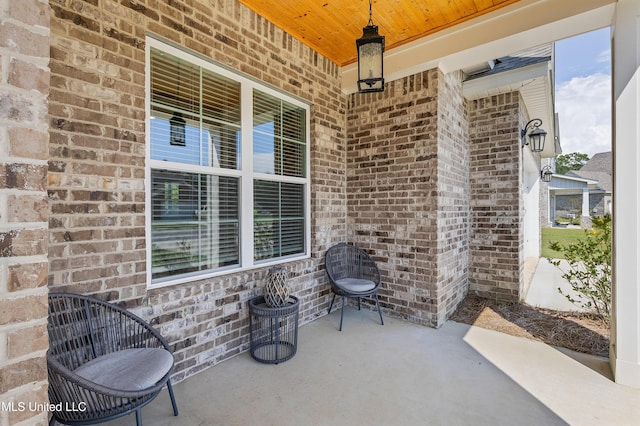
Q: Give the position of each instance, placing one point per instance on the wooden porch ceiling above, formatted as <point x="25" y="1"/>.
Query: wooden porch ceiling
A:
<point x="331" y="26"/>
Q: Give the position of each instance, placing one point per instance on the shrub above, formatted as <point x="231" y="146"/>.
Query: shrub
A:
<point x="589" y="270"/>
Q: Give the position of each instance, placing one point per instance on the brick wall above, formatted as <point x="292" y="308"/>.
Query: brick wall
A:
<point x="97" y="162"/>
<point x="407" y="179"/>
<point x="389" y="171"/>
<point x="545" y="219"/>
<point x="24" y="84"/>
<point x="453" y="196"/>
<point x="496" y="206"/>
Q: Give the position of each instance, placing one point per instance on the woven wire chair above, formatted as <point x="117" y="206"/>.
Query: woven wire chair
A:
<point x="352" y="273"/>
<point x="103" y="361"/>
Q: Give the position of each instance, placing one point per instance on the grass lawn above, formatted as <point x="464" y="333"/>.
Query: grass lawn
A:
<point x="562" y="235"/>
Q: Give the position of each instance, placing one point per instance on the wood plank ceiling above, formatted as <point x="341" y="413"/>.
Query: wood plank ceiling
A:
<point x="331" y="26"/>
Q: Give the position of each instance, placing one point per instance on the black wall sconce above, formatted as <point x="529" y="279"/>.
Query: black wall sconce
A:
<point x="536" y="137"/>
<point x="177" y="126"/>
<point x="370" y="58"/>
<point x="546" y="174"/>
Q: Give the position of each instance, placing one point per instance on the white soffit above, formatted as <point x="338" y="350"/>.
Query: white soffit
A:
<point x="527" y="78"/>
<point x="534" y="82"/>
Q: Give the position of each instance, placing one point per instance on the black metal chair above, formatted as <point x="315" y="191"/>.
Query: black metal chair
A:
<point x="104" y="362"/>
<point x="352" y="273"/>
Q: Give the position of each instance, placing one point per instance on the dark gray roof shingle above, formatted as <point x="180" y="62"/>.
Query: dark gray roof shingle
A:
<point x="601" y="162"/>
<point x="517" y="60"/>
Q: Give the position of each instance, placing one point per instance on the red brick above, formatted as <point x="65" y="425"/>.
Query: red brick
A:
<point x="28" y="76"/>
<point x="27" y="275"/>
<point x="21" y="309"/>
<point x="14" y="375"/>
<point x="24" y="341"/>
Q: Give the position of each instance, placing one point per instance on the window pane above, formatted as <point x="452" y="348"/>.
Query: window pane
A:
<point x="278" y="219"/>
<point x="263" y="149"/>
<point x="175" y="83"/>
<point x="196" y="120"/>
<point x="220" y="98"/>
<point x="293" y="161"/>
<point x="195" y="114"/>
<point x="279" y="136"/>
<point x="195" y="225"/>
<point x="293" y="123"/>
<point x="223" y="144"/>
<point x="195" y="148"/>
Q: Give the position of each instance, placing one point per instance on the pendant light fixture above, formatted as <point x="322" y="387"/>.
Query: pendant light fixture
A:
<point x="177" y="124"/>
<point x="370" y="57"/>
<point x="546" y="174"/>
<point x="536" y="137"/>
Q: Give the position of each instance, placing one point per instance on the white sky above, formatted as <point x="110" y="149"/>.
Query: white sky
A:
<point x="583" y="92"/>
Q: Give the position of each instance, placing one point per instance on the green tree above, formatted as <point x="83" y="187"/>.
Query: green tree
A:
<point x="589" y="271"/>
<point x="571" y="161"/>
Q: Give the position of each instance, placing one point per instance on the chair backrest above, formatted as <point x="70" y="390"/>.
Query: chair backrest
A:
<point x="349" y="261"/>
<point x="82" y="328"/>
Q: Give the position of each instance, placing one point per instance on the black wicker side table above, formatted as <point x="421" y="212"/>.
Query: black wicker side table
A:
<point x="273" y="331"/>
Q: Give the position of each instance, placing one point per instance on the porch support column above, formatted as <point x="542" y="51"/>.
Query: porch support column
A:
<point x="585" y="202"/>
<point x="625" y="332"/>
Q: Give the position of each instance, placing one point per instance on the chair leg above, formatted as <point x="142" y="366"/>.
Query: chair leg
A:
<point x="331" y="305"/>
<point x="173" y="398"/>
<point x="342" y="312"/>
<point x="358" y="303"/>
<point x="379" y="310"/>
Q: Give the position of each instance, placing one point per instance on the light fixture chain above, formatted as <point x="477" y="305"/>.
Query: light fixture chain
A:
<point x="370" y="14"/>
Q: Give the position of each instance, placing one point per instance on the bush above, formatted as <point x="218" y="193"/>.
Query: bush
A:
<point x="568" y="220"/>
<point x="589" y="270"/>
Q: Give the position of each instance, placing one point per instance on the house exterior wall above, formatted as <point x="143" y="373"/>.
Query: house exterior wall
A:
<point x="496" y="236"/>
<point x="407" y="177"/>
<point x="24" y="84"/>
<point x="569" y="205"/>
<point x="392" y="163"/>
<point x="572" y="204"/>
<point x="454" y="221"/>
<point x="389" y="171"/>
<point x="97" y="163"/>
<point x="545" y="206"/>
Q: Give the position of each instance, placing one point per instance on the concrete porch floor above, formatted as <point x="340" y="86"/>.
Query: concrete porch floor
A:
<point x="402" y="374"/>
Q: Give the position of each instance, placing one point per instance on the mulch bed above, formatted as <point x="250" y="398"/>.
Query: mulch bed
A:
<point x="579" y="332"/>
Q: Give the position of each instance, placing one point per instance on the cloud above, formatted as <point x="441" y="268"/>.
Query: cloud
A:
<point x="604" y="57"/>
<point x="583" y="105"/>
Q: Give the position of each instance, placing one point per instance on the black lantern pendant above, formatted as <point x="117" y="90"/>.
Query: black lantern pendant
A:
<point x="536" y="137"/>
<point x="370" y="54"/>
<point x="546" y="174"/>
<point x="177" y="126"/>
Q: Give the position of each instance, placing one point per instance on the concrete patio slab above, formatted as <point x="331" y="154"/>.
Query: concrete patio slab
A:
<point x="402" y="374"/>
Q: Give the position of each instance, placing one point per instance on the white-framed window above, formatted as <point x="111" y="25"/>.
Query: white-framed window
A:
<point x="227" y="170"/>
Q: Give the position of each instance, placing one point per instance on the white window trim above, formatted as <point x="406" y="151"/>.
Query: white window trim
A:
<point x="246" y="174"/>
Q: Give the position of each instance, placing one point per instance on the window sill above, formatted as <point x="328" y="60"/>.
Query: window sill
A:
<point x="223" y="272"/>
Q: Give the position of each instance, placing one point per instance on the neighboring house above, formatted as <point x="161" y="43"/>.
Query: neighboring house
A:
<point x="600" y="169"/>
<point x="583" y="193"/>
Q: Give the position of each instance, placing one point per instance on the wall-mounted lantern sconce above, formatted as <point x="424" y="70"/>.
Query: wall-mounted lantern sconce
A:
<point x="370" y="55"/>
<point x="546" y="174"/>
<point x="536" y="136"/>
<point x="177" y="126"/>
